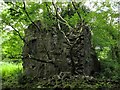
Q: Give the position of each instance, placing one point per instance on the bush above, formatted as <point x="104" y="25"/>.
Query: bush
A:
<point x="110" y="69"/>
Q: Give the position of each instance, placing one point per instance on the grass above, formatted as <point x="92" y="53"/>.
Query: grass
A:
<point x="10" y="73"/>
<point x="10" y="69"/>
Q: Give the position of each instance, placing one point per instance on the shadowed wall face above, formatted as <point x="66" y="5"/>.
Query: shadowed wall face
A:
<point x="52" y="45"/>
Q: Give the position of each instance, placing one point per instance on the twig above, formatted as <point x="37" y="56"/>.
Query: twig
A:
<point x="73" y="3"/>
<point x="49" y="9"/>
<point x="37" y="29"/>
<point x="39" y="60"/>
<point x="71" y="47"/>
<point x="29" y="16"/>
<point x="58" y="16"/>
<point x="16" y="31"/>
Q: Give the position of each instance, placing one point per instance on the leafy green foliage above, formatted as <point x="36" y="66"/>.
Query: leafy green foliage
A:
<point x="12" y="46"/>
<point x="103" y="24"/>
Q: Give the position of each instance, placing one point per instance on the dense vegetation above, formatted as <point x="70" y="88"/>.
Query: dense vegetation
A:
<point x="103" y="21"/>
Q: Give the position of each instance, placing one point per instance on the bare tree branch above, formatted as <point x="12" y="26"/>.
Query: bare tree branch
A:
<point x="16" y="31"/>
<point x="59" y="17"/>
<point x="73" y="3"/>
<point x="39" y="60"/>
<point x="49" y="9"/>
<point x="71" y="46"/>
<point x="29" y="16"/>
<point x="37" y="29"/>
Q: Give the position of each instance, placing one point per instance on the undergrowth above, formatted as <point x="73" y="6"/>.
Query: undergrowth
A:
<point x="10" y="73"/>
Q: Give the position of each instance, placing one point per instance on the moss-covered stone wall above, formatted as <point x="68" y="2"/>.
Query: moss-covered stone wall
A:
<point x="49" y="51"/>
